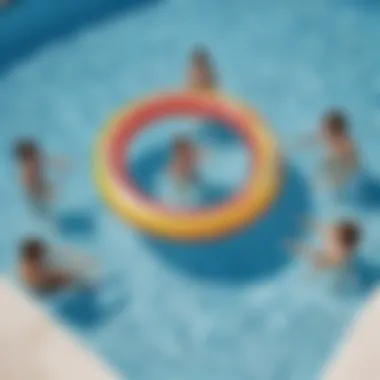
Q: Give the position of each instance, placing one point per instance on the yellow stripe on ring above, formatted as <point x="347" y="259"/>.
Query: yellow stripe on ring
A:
<point x="257" y="196"/>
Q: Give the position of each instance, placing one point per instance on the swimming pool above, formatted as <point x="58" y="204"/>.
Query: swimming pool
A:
<point x="239" y="308"/>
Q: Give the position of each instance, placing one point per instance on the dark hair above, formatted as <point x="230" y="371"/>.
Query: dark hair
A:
<point x="349" y="234"/>
<point x="26" y="149"/>
<point x="201" y="55"/>
<point x="33" y="249"/>
<point x="336" y="122"/>
<point x="181" y="142"/>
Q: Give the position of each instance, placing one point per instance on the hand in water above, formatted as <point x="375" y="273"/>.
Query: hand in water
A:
<point x="86" y="271"/>
<point x="295" y="248"/>
<point x="60" y="163"/>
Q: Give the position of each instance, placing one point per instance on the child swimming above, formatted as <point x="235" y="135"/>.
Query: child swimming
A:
<point x="201" y="75"/>
<point x="184" y="159"/>
<point x="36" y="273"/>
<point x="178" y="186"/>
<point x="37" y="270"/>
<point x="341" y="161"/>
<point x="339" y="243"/>
<point x="31" y="163"/>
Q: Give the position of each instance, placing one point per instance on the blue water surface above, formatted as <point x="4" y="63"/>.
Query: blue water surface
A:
<point x="238" y="308"/>
<point x="148" y="161"/>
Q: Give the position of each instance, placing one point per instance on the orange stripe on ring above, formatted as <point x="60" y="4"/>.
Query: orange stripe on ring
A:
<point x="122" y="195"/>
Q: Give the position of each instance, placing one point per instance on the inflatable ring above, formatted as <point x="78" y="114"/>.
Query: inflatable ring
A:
<point x="115" y="184"/>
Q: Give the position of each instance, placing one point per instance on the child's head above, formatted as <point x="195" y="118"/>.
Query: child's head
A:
<point x="335" y="126"/>
<point x="182" y="146"/>
<point x="346" y="235"/>
<point x="200" y="57"/>
<point x="184" y="157"/>
<point x="33" y="251"/>
<point x="201" y="70"/>
<point x="26" y="150"/>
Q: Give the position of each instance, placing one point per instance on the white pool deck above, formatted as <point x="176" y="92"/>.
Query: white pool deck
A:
<point x="358" y="355"/>
<point x="34" y="347"/>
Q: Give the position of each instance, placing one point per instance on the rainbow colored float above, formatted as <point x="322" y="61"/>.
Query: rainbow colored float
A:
<point x="124" y="198"/>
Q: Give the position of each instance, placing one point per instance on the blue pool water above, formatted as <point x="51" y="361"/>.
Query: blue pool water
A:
<point x="217" y="146"/>
<point x="238" y="308"/>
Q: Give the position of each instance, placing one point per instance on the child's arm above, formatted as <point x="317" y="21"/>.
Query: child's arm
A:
<point x="310" y="140"/>
<point x="307" y="141"/>
<point x="324" y="261"/>
<point x="339" y="169"/>
<point x="69" y="259"/>
<point x="59" y="162"/>
<point x="347" y="167"/>
<point x="313" y="226"/>
<point x="299" y="249"/>
<point x="333" y="172"/>
<point x="78" y="266"/>
<point x="318" y="258"/>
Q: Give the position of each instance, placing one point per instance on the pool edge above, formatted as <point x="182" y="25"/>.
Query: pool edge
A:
<point x="358" y="355"/>
<point x="45" y="348"/>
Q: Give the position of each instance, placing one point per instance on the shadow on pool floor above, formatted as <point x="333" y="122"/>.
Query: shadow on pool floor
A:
<point x="365" y="195"/>
<point x="86" y="308"/>
<point x="367" y="274"/>
<point x="253" y="253"/>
